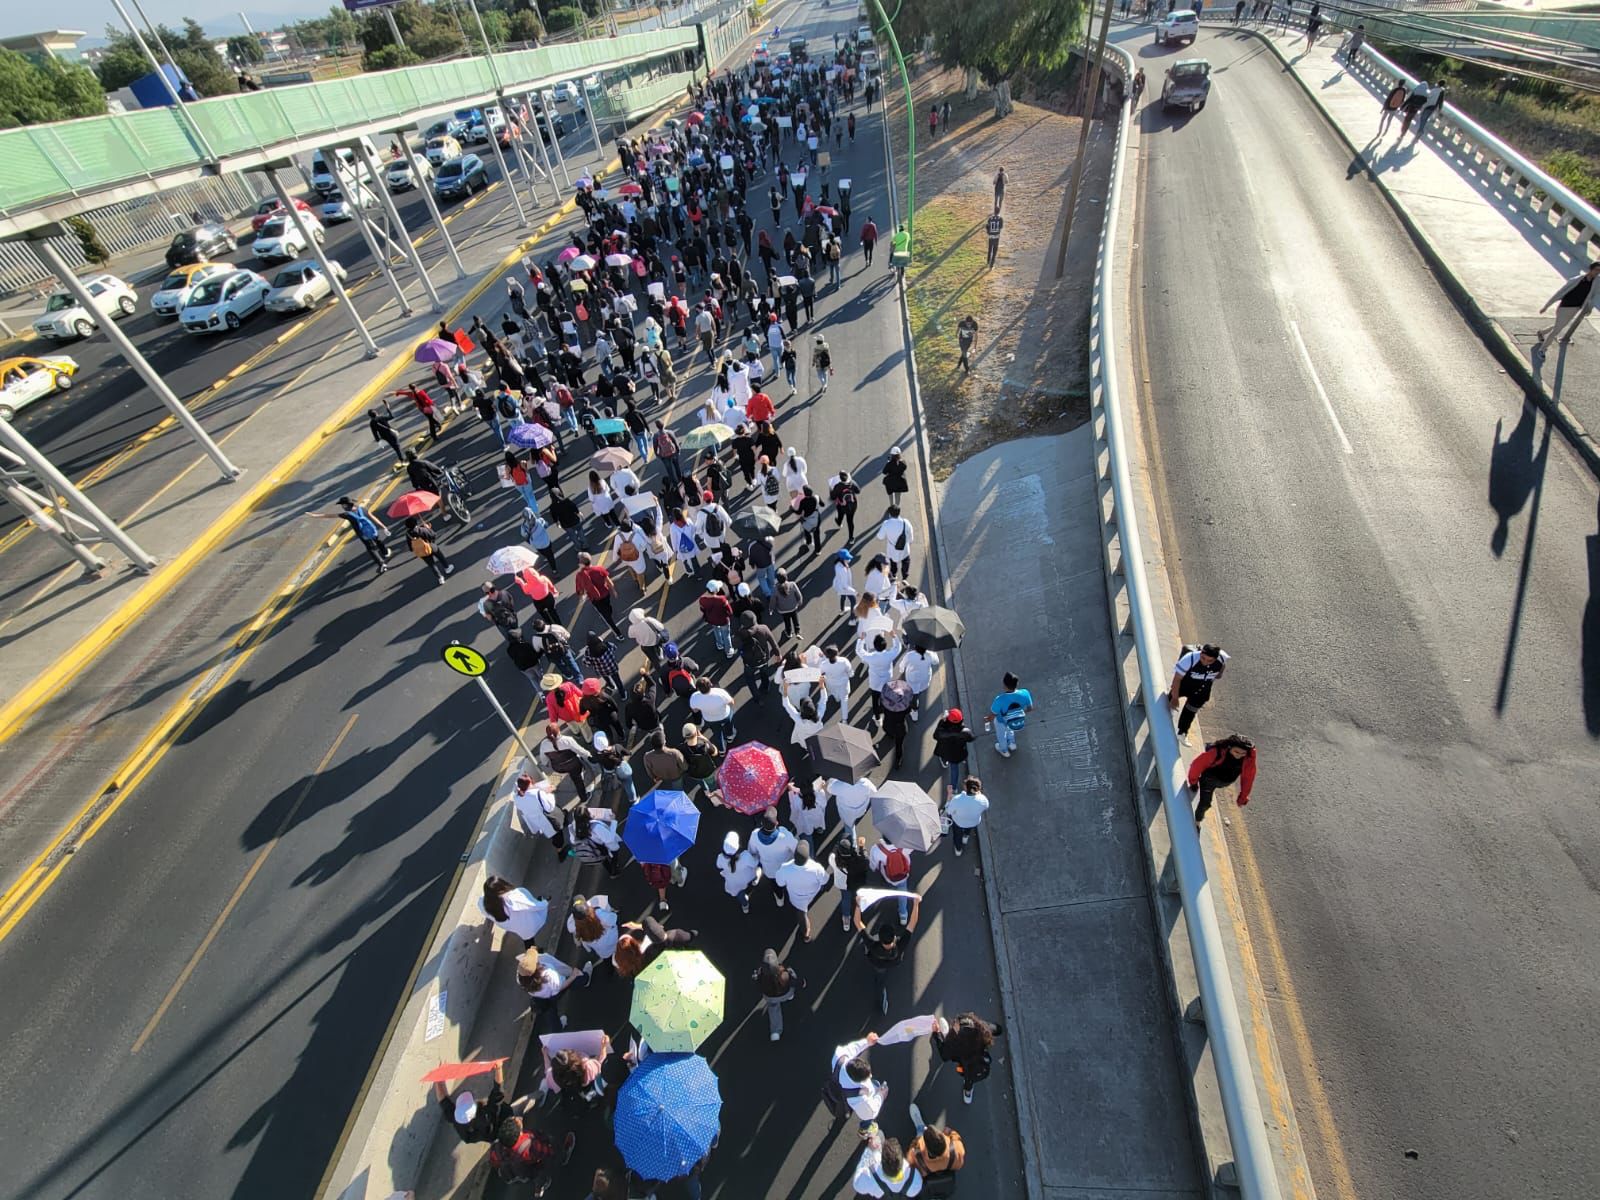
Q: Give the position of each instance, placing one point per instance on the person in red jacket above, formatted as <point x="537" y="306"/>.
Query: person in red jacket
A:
<point x="1231" y="760"/>
<point x="869" y="239"/>
<point x="759" y="408"/>
<point x="594" y="584"/>
<point x="425" y="406"/>
<point x="717" y="611"/>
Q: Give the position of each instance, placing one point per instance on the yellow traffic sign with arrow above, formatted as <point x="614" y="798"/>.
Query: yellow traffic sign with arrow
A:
<point x="464" y="660"/>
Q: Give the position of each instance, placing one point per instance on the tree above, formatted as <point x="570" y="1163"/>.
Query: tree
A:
<point x="386" y="58"/>
<point x="563" y="18"/>
<point x="496" y="26"/>
<point x="32" y="93"/>
<point x="996" y="39"/>
<point x="191" y="50"/>
<point x="244" y="50"/>
<point x="88" y="236"/>
<point x="339" y="31"/>
<point x="524" y="26"/>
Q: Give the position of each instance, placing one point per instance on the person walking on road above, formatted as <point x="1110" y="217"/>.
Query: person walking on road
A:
<point x="821" y="362"/>
<point x="951" y="737"/>
<point x="383" y="432"/>
<point x="1392" y="103"/>
<point x="1313" y="25"/>
<point x="885" y="948"/>
<point x="992" y="228"/>
<point x="883" y="1170"/>
<point x="594" y="584"/>
<point x="965" y="809"/>
<point x="894" y="476"/>
<point x="1008" y="713"/>
<point x="851" y="1087"/>
<point x="497" y="608"/>
<point x="845" y="494"/>
<point x="773" y="845"/>
<point x="1197" y="670"/>
<point x="802" y="880"/>
<point x="897" y="535"/>
<point x="1222" y="763"/>
<point x="967" y="1043"/>
<point x="369" y="531"/>
<point x="714" y="708"/>
<point x="869" y="240"/>
<point x="538" y="812"/>
<point x="786" y="601"/>
<point x="425" y="406"/>
<point x="966" y="333"/>
<point x="1573" y="300"/>
<point x="741" y="870"/>
<point x="778" y="983"/>
<point x="937" y="1153"/>
<point x="999" y="188"/>
<point x="917" y="669"/>
<point x="423" y="543"/>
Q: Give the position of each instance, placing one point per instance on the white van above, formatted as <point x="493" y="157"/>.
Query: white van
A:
<point x="349" y="167"/>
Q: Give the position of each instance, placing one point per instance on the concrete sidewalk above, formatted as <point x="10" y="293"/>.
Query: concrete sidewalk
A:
<point x="1101" y="1076"/>
<point x="1497" y="255"/>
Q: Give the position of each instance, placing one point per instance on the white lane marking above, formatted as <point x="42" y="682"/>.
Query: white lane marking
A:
<point x="1316" y="381"/>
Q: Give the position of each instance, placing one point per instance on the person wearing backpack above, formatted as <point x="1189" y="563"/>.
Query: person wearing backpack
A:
<point x="1227" y="761"/>
<point x="821" y="362"/>
<point x="712" y="522"/>
<point x="897" y="535"/>
<point x="424" y="544"/>
<point x="776" y="980"/>
<point x="678" y="671"/>
<point x="1008" y="713"/>
<point x="665" y="445"/>
<point x="369" y="531"/>
<point x="648" y="634"/>
<point x="845" y="494"/>
<point x="893" y="865"/>
<point x="1198" y="668"/>
<point x="717" y="612"/>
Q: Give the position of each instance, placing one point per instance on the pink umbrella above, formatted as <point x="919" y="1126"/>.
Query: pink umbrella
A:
<point x="696" y="118"/>
<point x="630" y="189"/>
<point x="752" y="777"/>
<point x="567" y="255"/>
<point x="436" y="350"/>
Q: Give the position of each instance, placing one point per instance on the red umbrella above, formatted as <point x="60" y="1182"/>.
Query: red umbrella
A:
<point x="630" y="189"/>
<point x="412" y="504"/>
<point x="752" y="777"/>
<point x="696" y="118"/>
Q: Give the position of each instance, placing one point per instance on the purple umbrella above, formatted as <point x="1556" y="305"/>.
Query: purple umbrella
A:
<point x="529" y="435"/>
<point x="436" y="350"/>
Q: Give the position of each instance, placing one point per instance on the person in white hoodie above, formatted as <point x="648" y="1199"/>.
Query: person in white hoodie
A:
<point x="808" y="808"/>
<point x="878" y="656"/>
<point x="917" y="669"/>
<point x="648" y="634"/>
<point x="807" y="724"/>
<point x="852" y="1081"/>
<point x="836" y="672"/>
<point x="844" y="582"/>
<point x="538" y="813"/>
<point x="898" y="536"/>
<point x="773" y="846"/>
<point x="741" y="871"/>
<point x="794" y="474"/>
<point x="803" y="879"/>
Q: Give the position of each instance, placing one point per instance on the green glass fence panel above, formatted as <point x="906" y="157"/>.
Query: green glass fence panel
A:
<point x="32" y="171"/>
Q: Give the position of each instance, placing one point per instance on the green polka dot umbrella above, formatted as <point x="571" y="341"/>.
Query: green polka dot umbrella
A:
<point x="677" y="1001"/>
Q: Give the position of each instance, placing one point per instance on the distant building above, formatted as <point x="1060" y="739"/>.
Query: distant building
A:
<point x="41" y="47"/>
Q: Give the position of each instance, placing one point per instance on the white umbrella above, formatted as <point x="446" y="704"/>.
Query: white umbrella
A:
<point x="582" y="263"/>
<point x="618" y="260"/>
<point x="508" y="560"/>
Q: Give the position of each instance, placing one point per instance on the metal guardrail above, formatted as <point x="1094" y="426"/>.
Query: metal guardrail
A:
<point x="66" y="159"/>
<point x="1570" y="215"/>
<point x="1252" y="1153"/>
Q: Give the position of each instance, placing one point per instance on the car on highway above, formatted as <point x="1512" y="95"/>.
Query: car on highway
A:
<point x="545" y="121"/>
<point x="869" y="60"/>
<point x="175" y="288"/>
<point x="280" y="238"/>
<point x="451" y="127"/>
<point x="65" y="319"/>
<point x="797" y="49"/>
<point x="223" y="302"/>
<point x="566" y="90"/>
<point x="332" y="175"/>
<point x="1187" y="84"/>
<point x="441" y="149"/>
<point x="759" y="56"/>
<point x="460" y="177"/>
<point x="1180" y="25"/>
<point x="783" y="61"/>
<point x="864" y="35"/>
<point x="300" y="286"/>
<point x="201" y="244"/>
<point x="266" y="208"/>
<point x="338" y="207"/>
<point x="483" y="122"/>
<point x="403" y="174"/>
<point x="28" y="378"/>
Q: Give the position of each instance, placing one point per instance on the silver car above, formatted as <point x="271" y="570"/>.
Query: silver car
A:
<point x="300" y="286"/>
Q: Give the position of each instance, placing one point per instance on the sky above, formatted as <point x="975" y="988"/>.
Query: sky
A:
<point x="92" y="16"/>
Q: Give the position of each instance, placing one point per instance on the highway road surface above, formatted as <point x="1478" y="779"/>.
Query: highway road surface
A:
<point x="1404" y="563"/>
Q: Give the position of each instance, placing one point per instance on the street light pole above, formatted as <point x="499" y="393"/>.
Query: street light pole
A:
<point x="505" y="116"/>
<point x="166" y="82"/>
<point x="394" y="30"/>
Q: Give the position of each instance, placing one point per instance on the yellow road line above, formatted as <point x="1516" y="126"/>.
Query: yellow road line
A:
<point x="244" y="884"/>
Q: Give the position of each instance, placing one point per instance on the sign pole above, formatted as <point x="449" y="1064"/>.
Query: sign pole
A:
<point x="464" y="660"/>
<point x="506" y="717"/>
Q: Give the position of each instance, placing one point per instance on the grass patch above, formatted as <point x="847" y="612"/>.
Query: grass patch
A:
<point x="945" y="283"/>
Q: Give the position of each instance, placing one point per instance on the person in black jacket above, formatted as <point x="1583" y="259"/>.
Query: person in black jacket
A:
<point x="951" y="737"/>
<point x="383" y="431"/>
<point x="894" y="476"/>
<point x="475" y="1120"/>
<point x="966" y="1043"/>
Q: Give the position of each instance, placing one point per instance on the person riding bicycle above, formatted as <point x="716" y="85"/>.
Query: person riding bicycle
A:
<point x="425" y="476"/>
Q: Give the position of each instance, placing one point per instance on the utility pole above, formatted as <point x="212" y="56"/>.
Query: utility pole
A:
<point x="394" y="30"/>
<point x="1083" y="137"/>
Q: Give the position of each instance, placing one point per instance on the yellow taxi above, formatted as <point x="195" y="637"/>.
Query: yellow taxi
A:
<point x="26" y="379"/>
<point x="175" y="289"/>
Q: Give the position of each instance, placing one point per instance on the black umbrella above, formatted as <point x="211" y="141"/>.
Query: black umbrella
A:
<point x="757" y="521"/>
<point x="843" y="752"/>
<point x="934" y="628"/>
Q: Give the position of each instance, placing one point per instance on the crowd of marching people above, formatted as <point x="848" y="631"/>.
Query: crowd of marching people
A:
<point x="631" y="496"/>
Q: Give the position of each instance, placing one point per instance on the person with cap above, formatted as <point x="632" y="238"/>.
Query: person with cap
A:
<point x="885" y="948"/>
<point x="714" y="707"/>
<point x="897" y="535"/>
<point x="965" y="808"/>
<point x="555" y="642"/>
<point x="496" y="607"/>
<point x="951" y="737"/>
<point x="716" y="610"/>
<point x="802" y="879"/>
<point x="475" y="1120"/>
<point x="536" y="532"/>
<point x="700" y="756"/>
<point x="560" y="752"/>
<point x="712" y="522"/>
<point x="1222" y="763"/>
<point x="758" y="553"/>
<point x="777" y="982"/>
<point x="534" y="803"/>
<point x="917" y="669"/>
<point x="616" y="773"/>
<point x="563" y="699"/>
<point x="678" y="671"/>
<point x="740" y="869"/>
<point x="648" y="634"/>
<point x="894" y="476"/>
<point x="821" y="362"/>
<point x="773" y="845"/>
<point x="512" y="909"/>
<point x="594" y="584"/>
<point x="1198" y="668"/>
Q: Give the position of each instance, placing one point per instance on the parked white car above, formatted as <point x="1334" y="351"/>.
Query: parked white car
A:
<point x="280" y="238"/>
<point x="566" y="90"/>
<point x="175" y="288"/>
<point x="1181" y="25"/>
<point x="300" y="286"/>
<point x="224" y="302"/>
<point x="404" y="174"/>
<point x="65" y="319"/>
<point x="338" y="207"/>
<point x="441" y="150"/>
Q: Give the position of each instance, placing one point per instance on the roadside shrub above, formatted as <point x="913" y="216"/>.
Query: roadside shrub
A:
<point x="559" y="20"/>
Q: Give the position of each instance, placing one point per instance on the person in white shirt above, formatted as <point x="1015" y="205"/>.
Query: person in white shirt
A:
<point x="917" y="669"/>
<point x="852" y="800"/>
<point x="713" y="523"/>
<point x="836" y="671"/>
<point x="773" y="846"/>
<point x="882" y="1170"/>
<point x="741" y="871"/>
<point x="561" y="752"/>
<point x="808" y="808"/>
<point x="878" y="656"/>
<point x="877" y="583"/>
<point x="806" y="722"/>
<point x="794" y="475"/>
<point x="905" y="600"/>
<point x="593" y="925"/>
<point x="534" y="803"/>
<point x="893" y="864"/>
<point x="638" y="546"/>
<point x="852" y="1074"/>
<point x="844" y="583"/>
<point x="898" y="537"/>
<point x="739" y="383"/>
<point x="715" y="708"/>
<point x="513" y="909"/>
<point x="802" y="878"/>
<point x="965" y="810"/>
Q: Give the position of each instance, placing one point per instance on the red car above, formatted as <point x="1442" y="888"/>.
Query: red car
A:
<point x="269" y="207"/>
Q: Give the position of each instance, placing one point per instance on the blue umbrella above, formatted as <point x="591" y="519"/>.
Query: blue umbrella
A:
<point x="607" y="425"/>
<point x="661" y="826"/>
<point x="767" y="100"/>
<point x="667" y="1114"/>
<point x="529" y="435"/>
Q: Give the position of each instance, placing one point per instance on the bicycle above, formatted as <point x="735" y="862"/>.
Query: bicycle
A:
<point x="454" y="486"/>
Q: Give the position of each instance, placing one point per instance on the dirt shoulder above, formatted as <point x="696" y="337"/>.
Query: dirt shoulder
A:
<point x="1030" y="361"/>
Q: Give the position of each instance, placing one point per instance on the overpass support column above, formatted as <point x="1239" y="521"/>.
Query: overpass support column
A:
<point x="182" y="415"/>
<point x="380" y="256"/>
<point x="444" y="230"/>
<point x="410" y="250"/>
<point x="500" y="160"/>
<point x="77" y="507"/>
<point x="314" y="244"/>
